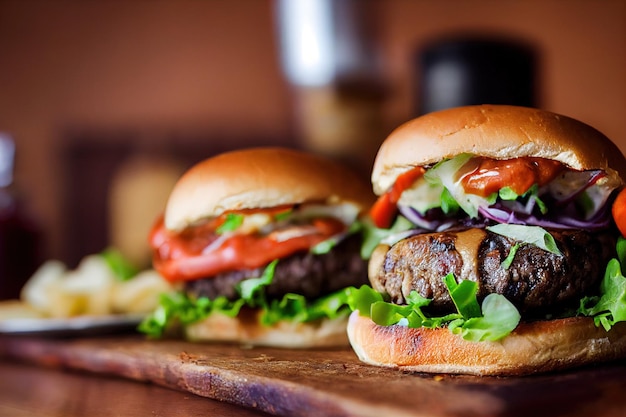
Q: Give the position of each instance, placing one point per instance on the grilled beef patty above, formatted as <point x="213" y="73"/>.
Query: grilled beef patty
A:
<point x="537" y="282"/>
<point x="302" y="273"/>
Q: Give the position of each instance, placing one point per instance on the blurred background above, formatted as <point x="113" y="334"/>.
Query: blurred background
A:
<point x="107" y="102"/>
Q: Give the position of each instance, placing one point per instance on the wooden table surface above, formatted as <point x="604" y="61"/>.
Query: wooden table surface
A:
<point x="129" y="375"/>
<point x="27" y="390"/>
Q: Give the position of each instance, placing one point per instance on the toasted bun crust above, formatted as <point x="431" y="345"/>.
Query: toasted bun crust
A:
<point x="246" y="330"/>
<point x="532" y="348"/>
<point x="499" y="132"/>
<point x="259" y="178"/>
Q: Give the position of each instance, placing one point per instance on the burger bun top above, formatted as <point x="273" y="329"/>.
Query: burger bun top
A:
<point x="498" y="132"/>
<point x="261" y="178"/>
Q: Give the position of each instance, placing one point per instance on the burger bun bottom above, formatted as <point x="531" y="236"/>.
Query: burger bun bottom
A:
<point x="245" y="329"/>
<point x="541" y="346"/>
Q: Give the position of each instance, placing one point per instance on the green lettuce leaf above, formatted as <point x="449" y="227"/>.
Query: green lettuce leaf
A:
<point x="609" y="307"/>
<point x="328" y="244"/>
<point x="296" y="308"/>
<point x="251" y="290"/>
<point x="497" y="318"/>
<point x="232" y="223"/>
<point x="506" y="193"/>
<point x="283" y="215"/>
<point x="506" y="264"/>
<point x="448" y="204"/>
<point x="445" y="174"/>
<point x="120" y="265"/>
<point x="181" y="309"/>
<point x="533" y="235"/>
<point x="373" y="235"/>
<point x="463" y="295"/>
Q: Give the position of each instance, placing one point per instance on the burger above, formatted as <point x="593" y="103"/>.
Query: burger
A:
<point x="493" y="250"/>
<point x="261" y="244"/>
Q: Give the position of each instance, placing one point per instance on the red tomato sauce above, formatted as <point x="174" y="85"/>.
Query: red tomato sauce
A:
<point x="490" y="175"/>
<point x="485" y="178"/>
<point x="182" y="256"/>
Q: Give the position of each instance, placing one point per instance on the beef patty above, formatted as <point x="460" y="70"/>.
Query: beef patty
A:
<point x="537" y="282"/>
<point x="302" y="273"/>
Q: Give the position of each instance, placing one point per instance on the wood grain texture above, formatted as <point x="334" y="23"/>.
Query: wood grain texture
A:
<point x="329" y="382"/>
<point x="28" y="391"/>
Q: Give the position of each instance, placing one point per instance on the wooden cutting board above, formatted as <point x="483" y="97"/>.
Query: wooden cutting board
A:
<point x="330" y="382"/>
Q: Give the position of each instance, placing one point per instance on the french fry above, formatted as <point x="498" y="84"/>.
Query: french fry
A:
<point x="36" y="291"/>
<point x="91" y="289"/>
<point x="140" y="294"/>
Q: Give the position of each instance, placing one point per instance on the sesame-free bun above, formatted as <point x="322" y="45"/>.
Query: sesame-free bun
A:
<point x="498" y="132"/>
<point x="261" y="178"/>
<point x="532" y="347"/>
<point x="246" y="329"/>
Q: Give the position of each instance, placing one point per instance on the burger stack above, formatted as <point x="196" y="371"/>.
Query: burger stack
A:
<point x="490" y="250"/>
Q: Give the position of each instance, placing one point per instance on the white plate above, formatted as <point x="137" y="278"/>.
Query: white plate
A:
<point x="75" y="326"/>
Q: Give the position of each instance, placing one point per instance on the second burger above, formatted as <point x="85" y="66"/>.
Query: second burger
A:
<point x="262" y="242"/>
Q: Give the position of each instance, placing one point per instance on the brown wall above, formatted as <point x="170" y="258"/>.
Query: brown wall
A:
<point x="582" y="46"/>
<point x="211" y="68"/>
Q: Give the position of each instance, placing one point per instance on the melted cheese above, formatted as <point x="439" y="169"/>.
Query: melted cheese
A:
<point x="467" y="244"/>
